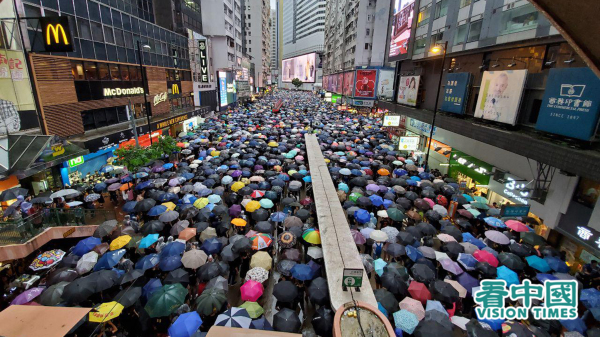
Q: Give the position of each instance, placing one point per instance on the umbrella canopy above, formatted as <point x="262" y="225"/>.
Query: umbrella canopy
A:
<point x="211" y="300"/>
<point x="185" y="325"/>
<point x="286" y="320"/>
<point x="165" y="300"/>
<point x="235" y="318"/>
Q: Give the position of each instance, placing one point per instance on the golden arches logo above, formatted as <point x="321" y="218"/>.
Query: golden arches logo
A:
<point x="174" y="89"/>
<point x="56" y="31"/>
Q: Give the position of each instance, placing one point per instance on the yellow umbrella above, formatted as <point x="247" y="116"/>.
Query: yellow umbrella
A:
<point x="246" y="181"/>
<point x="252" y="206"/>
<point x="201" y="203"/>
<point x="105" y="312"/>
<point x="273" y="144"/>
<point x="120" y="242"/>
<point x="261" y="259"/>
<point x="215" y="153"/>
<point x="169" y="205"/>
<point x="238" y="185"/>
<point x="238" y="222"/>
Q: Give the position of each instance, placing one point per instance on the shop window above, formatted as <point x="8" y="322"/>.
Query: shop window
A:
<point x="112" y="116"/>
<point x="103" y="73"/>
<point x="474" y="31"/>
<point x="125" y="73"/>
<point x="122" y="114"/>
<point x="77" y="70"/>
<point x="424" y="16"/>
<point x="100" y="118"/>
<point x="420" y="45"/>
<point x="519" y="19"/>
<point x="91" y="71"/>
<point x="587" y="192"/>
<point x="115" y="73"/>
<point x="461" y="34"/>
<point x="441" y="9"/>
<point x="437" y="39"/>
<point x="87" y="117"/>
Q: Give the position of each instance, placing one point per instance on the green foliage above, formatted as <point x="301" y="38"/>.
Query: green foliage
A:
<point x="297" y="82"/>
<point x="134" y="157"/>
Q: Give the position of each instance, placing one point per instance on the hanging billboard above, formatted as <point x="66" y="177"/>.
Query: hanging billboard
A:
<point x="385" y="85"/>
<point x="302" y="67"/>
<point x="571" y="103"/>
<point x="349" y="83"/>
<point x="223" y="88"/>
<point x="500" y="95"/>
<point x="339" y="82"/>
<point x="456" y="92"/>
<point x="401" y="29"/>
<point x="365" y="83"/>
<point x="326" y="82"/>
<point x="408" y="89"/>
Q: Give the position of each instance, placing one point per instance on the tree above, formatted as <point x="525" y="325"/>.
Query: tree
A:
<point x="297" y="83"/>
<point x="134" y="157"/>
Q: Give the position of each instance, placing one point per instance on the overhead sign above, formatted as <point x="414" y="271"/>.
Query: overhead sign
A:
<point x="500" y="95"/>
<point x="439" y="147"/>
<point x="470" y="166"/>
<point x="159" y="98"/>
<point x="514" y="210"/>
<point x="352" y="278"/>
<point x="391" y="120"/>
<point x="75" y="161"/>
<point x="56" y="34"/>
<point x="302" y="67"/>
<point x="456" y="92"/>
<point x="364" y="102"/>
<point x="108" y="92"/>
<point x="571" y="103"/>
<point x="222" y="88"/>
<point x="202" y="50"/>
<point x="174" y="89"/>
<point x="408" y="143"/>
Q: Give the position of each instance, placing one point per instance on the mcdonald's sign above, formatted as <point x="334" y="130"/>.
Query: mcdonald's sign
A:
<point x="57" y="34"/>
<point x="175" y="89"/>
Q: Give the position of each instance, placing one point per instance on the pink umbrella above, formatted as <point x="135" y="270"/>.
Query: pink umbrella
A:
<point x="250" y="234"/>
<point x="430" y="202"/>
<point x="299" y="158"/>
<point x="359" y="239"/>
<point x="27" y="296"/>
<point x="251" y="291"/>
<point x="516" y="226"/>
<point x="484" y="256"/>
<point x="114" y="187"/>
<point x="451" y="266"/>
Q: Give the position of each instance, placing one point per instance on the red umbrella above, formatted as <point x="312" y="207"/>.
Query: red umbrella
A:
<point x="517" y="226"/>
<point x="419" y="291"/>
<point x="485" y="256"/>
<point x="251" y="291"/>
<point x="465" y="213"/>
<point x="440" y="199"/>
<point x="306" y="201"/>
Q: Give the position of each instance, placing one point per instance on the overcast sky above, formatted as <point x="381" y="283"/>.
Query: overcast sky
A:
<point x="273" y="4"/>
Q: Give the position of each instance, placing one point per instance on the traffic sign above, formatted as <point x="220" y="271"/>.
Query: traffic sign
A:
<point x="352" y="278"/>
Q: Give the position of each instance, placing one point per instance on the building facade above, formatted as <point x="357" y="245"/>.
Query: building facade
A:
<point x="274" y="53"/>
<point x="257" y="38"/>
<point x="222" y="23"/>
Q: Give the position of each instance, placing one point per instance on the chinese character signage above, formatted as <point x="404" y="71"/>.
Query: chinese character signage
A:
<point x="408" y="90"/>
<point x="349" y="83"/>
<point x="391" y="120"/>
<point x="365" y="83"/>
<point x="56" y="33"/>
<point x="514" y="210"/>
<point x="456" y="92"/>
<point x="571" y="103"/>
<point x="408" y="143"/>
<point x="500" y="95"/>
<point x="223" y="88"/>
<point x="385" y="85"/>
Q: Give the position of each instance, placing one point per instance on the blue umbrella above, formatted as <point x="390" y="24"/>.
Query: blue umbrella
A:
<point x="167" y="197"/>
<point x="467" y="261"/>
<point x="214" y="199"/>
<point x="109" y="259"/>
<point x="100" y="187"/>
<point x="382" y="309"/>
<point x="261" y="324"/>
<point x="143" y="185"/>
<point x="406" y="320"/>
<point x="186" y="324"/>
<point x="376" y="200"/>
<point x="126" y="179"/>
<point x="362" y="216"/>
<point x="169" y="262"/>
<point x="538" y="263"/>
<point x="278" y="216"/>
<point x="86" y="245"/>
<point x="435" y="306"/>
<point x="173" y="248"/>
<point x="307" y="179"/>
<point x="468" y="237"/>
<point x="379" y="264"/>
<point x="468" y="282"/>
<point x="129" y="206"/>
<point x="140" y="175"/>
<point x="147" y="262"/>
<point x="413" y="253"/>
<point x="557" y="264"/>
<point x="590" y="298"/>
<point x="148" y="241"/>
<point x="302" y="272"/>
<point x="211" y="246"/>
<point x="468" y="197"/>
<point x="494" y="222"/>
<point x="576" y="324"/>
<point x="167" y="166"/>
<point x="343" y="187"/>
<point x="495" y="324"/>
<point x="150" y="287"/>
<point x="157" y="210"/>
<point x="187" y="175"/>
<point x="545" y="277"/>
<point x="508" y="275"/>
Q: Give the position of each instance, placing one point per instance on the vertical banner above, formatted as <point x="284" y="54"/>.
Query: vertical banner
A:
<point x="326" y="82"/>
<point x="385" y="85"/>
<point x="349" y="83"/>
<point x="365" y="83"/>
<point x="223" y="88"/>
<point x="339" y="83"/>
<point x="401" y="28"/>
<point x="202" y="50"/>
<point x="571" y="103"/>
<point x="408" y="89"/>
<point x="500" y="95"/>
<point x="456" y="92"/>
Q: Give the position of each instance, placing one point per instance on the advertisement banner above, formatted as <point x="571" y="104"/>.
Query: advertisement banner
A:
<point x="385" y="85"/>
<point x="571" y="103"/>
<point x="365" y="83"/>
<point x="401" y="28"/>
<point x="364" y="103"/>
<point x="326" y="82"/>
<point x="456" y="92"/>
<point x="339" y="82"/>
<point x="408" y="143"/>
<point x="332" y="82"/>
<point x="500" y="95"/>
<point x="391" y="120"/>
<point x="301" y="67"/>
<point x="408" y="89"/>
<point x="349" y="83"/>
<point x="17" y="107"/>
<point x="223" y="88"/>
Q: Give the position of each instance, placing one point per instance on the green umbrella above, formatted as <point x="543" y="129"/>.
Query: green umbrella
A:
<point x="253" y="309"/>
<point x="532" y="239"/>
<point x="166" y="300"/>
<point x="266" y="203"/>
<point x="354" y="196"/>
<point x="211" y="299"/>
<point x="395" y="214"/>
<point x="481" y="200"/>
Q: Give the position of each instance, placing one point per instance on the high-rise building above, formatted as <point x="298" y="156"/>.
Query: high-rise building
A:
<point x="257" y="38"/>
<point x="179" y="15"/>
<point x="274" y="47"/>
<point x="222" y="23"/>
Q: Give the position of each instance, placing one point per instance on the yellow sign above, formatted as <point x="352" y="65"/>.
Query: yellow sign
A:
<point x="57" y="150"/>
<point x="69" y="232"/>
<point x="174" y="89"/>
<point x="171" y="121"/>
<point x="57" y="31"/>
<point x="57" y="35"/>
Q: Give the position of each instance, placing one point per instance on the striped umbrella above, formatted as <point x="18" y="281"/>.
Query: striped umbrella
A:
<point x="261" y="241"/>
<point x="312" y="236"/>
<point x="234" y="318"/>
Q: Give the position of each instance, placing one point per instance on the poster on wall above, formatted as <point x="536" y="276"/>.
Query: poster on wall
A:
<point x="332" y="82"/>
<point x="408" y="89"/>
<point x="349" y="83"/>
<point x="401" y="29"/>
<point x="17" y="108"/>
<point x="339" y="83"/>
<point x="571" y="103"/>
<point x="365" y="83"/>
<point x="500" y="95"/>
<point x="302" y="67"/>
<point x="456" y="92"/>
<point x="385" y="85"/>
<point x="326" y="82"/>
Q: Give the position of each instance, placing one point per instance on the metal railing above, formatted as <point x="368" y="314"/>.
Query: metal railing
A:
<point x="21" y="230"/>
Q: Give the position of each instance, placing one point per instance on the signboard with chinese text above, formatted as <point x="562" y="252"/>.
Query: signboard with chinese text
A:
<point x="401" y="29"/>
<point x="391" y="120"/>
<point x="571" y="103"/>
<point x="514" y="210"/>
<point x="500" y="95"/>
<point x="408" y="143"/>
<point x="365" y="83"/>
<point x="456" y="92"/>
<point x="223" y="88"/>
<point x="363" y="102"/>
<point x="470" y="166"/>
<point x="352" y="278"/>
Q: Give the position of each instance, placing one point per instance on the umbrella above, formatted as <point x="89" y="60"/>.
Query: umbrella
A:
<point x="497" y="237"/>
<point x="422" y="273"/>
<point x="79" y="290"/>
<point x="508" y="275"/>
<point x="235" y="318"/>
<point x="484" y="256"/>
<point x="302" y="272"/>
<point x="413" y="306"/>
<point x="165" y="300"/>
<point x="419" y="291"/>
<point x="425" y="328"/>
<point x="254" y="309"/>
<point x="451" y="266"/>
<point x="312" y="236"/>
<point x="322" y="321"/>
<point x="147" y="262"/>
<point x="185" y="325"/>
<point x="257" y="274"/>
<point x="109" y="260"/>
<point x="85" y="245"/>
<point x="177" y="276"/>
<point x="590" y="298"/>
<point x="251" y="291"/>
<point x="129" y="296"/>
<point x="261" y="241"/>
<point x="285" y="291"/>
<point x="52" y="295"/>
<point x="511" y="261"/>
<point x="120" y="242"/>
<point x="27" y="296"/>
<point x="286" y="320"/>
<point x="105" y="312"/>
<point x="105" y="228"/>
<point x="538" y="263"/>
<point x="387" y="300"/>
<point x="394" y="283"/>
<point x="194" y="259"/>
<point x="211" y="300"/>
<point x="261" y="259"/>
<point x="406" y="320"/>
<point x="557" y="264"/>
<point x="378" y="235"/>
<point x="47" y="259"/>
<point x="261" y="324"/>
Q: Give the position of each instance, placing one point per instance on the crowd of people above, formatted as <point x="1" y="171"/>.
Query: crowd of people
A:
<point x="224" y="232"/>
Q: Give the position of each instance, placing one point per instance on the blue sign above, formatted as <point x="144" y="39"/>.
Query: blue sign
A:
<point x="514" y="210"/>
<point x="223" y="88"/>
<point x="422" y="126"/>
<point x="571" y="103"/>
<point x="456" y="92"/>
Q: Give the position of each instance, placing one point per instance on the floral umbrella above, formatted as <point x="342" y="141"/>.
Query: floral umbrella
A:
<point x="47" y="259"/>
<point x="257" y="274"/>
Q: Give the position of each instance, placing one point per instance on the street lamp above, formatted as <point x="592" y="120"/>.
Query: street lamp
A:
<point x="145" y="85"/>
<point x="436" y="50"/>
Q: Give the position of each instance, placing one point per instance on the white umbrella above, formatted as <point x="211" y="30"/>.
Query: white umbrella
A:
<point x="378" y="235"/>
<point x="460" y="322"/>
<point x="315" y="252"/>
<point x="441" y="210"/>
<point x="87" y="262"/>
<point x="62" y="193"/>
<point x="382" y="213"/>
<point x="440" y="256"/>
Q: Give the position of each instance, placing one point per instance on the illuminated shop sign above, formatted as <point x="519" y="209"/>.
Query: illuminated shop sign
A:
<point x="75" y="161"/>
<point x="202" y="47"/>
<point x="57" y="34"/>
<point x="108" y="92"/>
<point x="162" y="97"/>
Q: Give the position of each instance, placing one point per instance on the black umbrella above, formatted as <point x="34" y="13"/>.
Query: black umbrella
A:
<point x="427" y="229"/>
<point x="209" y="271"/>
<point x="178" y="276"/>
<point x="144" y="205"/>
<point x="260" y="214"/>
<point x="443" y="292"/>
<point x="395" y="284"/>
<point x="405" y="238"/>
<point x="318" y="291"/>
<point x="79" y="290"/>
<point x="415" y="232"/>
<point x="61" y="275"/>
<point x="475" y="329"/>
<point x="286" y="320"/>
<point x="487" y="270"/>
<point x="153" y="227"/>
<point x="200" y="226"/>
<point x="242" y="245"/>
<point x="428" y="327"/>
<point x="387" y="300"/>
<point x="395" y="249"/>
<point x="104" y="279"/>
<point x="128" y="296"/>
<point x="69" y="261"/>
<point x="511" y="261"/>
<point x="322" y="321"/>
<point x="188" y="213"/>
<point x="264" y="227"/>
<point x="454" y="232"/>
<point x="105" y="228"/>
<point x="512" y="328"/>
<point x="303" y="214"/>
<point x="53" y="295"/>
<point x="220" y="210"/>
<point x="422" y="273"/>
<point x="453" y="249"/>
<point x="132" y="275"/>
<point x="285" y="291"/>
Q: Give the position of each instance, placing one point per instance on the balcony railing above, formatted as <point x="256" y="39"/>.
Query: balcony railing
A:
<point x="21" y="230"/>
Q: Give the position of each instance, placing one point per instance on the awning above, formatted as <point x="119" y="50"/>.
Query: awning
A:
<point x="36" y="321"/>
<point x="25" y="155"/>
